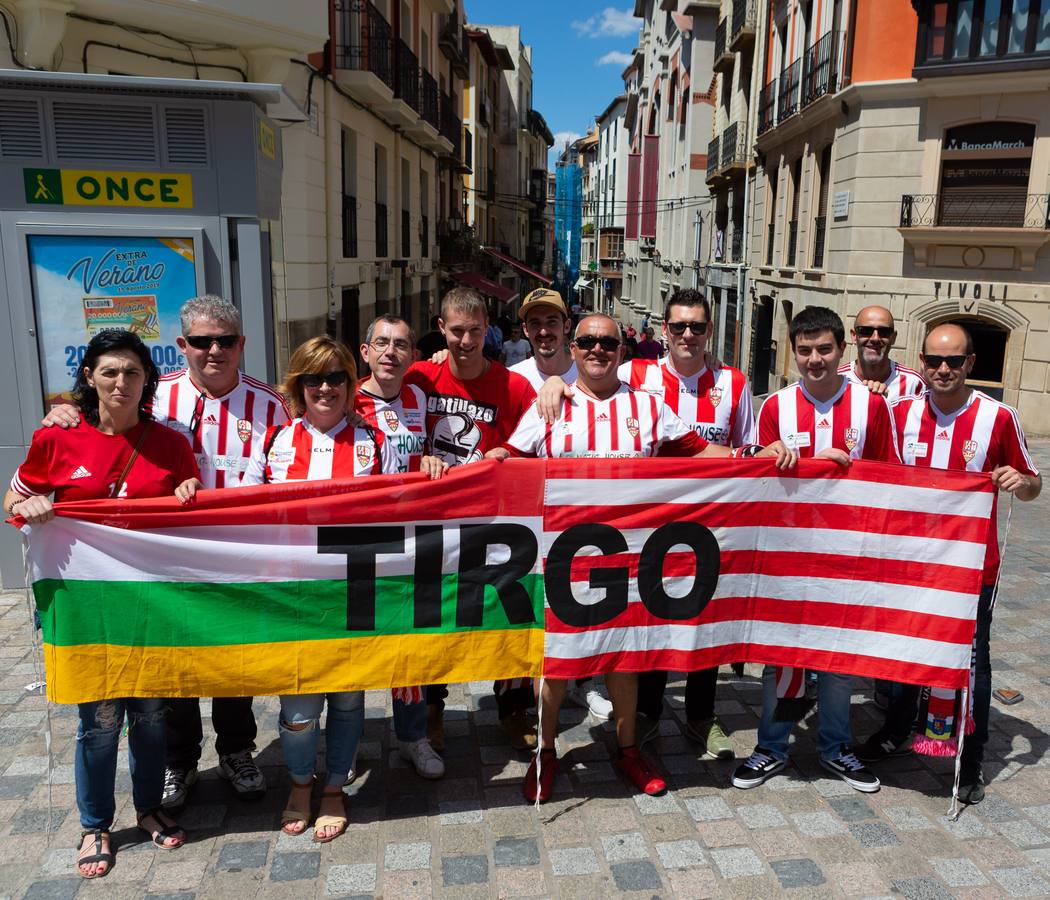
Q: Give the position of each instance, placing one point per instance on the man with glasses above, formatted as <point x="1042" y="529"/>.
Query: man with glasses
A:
<point x="224" y="414"/>
<point x="717" y="404"/>
<point x="955" y="427"/>
<point x="874" y="334"/>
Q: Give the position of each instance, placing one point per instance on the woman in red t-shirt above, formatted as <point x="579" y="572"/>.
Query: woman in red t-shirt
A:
<point x="115" y="451"/>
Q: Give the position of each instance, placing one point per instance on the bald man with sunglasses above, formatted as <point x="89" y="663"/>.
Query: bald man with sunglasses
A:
<point x="873" y="334"/>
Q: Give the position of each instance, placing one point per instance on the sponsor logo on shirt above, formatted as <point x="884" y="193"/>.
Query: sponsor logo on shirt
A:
<point x="222" y="463"/>
<point x="391" y="419"/>
<point x="917" y="449"/>
<point x="824" y="423"/>
<point x="632" y="426"/>
<point x="79" y="472"/>
<point x="602" y="417"/>
<point x="244" y="430"/>
<point x="715" y="396"/>
<point x="798" y="439"/>
<point x="969" y="450"/>
<point x="210" y="420"/>
<point x="479" y="412"/>
<point x="943" y="435"/>
<point x="851" y="436"/>
<point x="713" y="434"/>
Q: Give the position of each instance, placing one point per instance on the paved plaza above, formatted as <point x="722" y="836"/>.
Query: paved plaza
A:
<point x="472" y="835"/>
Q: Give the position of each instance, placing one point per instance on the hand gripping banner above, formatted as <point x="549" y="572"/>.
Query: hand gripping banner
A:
<point x="562" y="567"/>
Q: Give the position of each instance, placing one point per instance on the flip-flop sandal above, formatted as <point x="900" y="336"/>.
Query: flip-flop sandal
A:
<point x="98" y="856"/>
<point x="164" y="832"/>
<point x="324" y="822"/>
<point x="290" y="815"/>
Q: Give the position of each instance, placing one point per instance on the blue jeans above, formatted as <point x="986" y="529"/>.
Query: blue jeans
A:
<point x="833" y="731"/>
<point x="95" y="766"/>
<point x="346" y="722"/>
<point x="410" y="720"/>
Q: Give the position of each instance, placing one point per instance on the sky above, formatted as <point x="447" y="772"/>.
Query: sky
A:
<point x="579" y="50"/>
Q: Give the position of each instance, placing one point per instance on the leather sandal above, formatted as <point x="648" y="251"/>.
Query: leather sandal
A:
<point x="169" y="829"/>
<point x="323" y="822"/>
<point x="292" y="816"/>
<point x="98" y="856"/>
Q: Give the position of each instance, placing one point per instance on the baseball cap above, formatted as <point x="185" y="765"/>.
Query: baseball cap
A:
<point x="542" y="297"/>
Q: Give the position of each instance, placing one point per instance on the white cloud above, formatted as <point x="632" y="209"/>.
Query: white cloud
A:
<point x="610" y="22"/>
<point x="614" y="58"/>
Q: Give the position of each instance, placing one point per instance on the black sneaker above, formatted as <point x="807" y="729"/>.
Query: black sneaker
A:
<point x="852" y="771"/>
<point x="879" y="747"/>
<point x="178" y="781"/>
<point x="971" y="788"/>
<point x="760" y="766"/>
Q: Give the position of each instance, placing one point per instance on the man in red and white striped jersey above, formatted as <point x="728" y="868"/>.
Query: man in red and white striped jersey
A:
<point x="823" y="415"/>
<point x="605" y="418"/>
<point x="955" y="427"/>
<point x="224" y="415"/>
<point x="717" y="404"/>
<point x="874" y="334"/>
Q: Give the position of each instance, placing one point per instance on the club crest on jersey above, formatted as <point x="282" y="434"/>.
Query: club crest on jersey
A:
<point x="851" y="436"/>
<point x="632" y="427"/>
<point x="244" y="430"/>
<point x="364" y="454"/>
<point x="391" y="419"/>
<point x="715" y="396"/>
<point x="969" y="450"/>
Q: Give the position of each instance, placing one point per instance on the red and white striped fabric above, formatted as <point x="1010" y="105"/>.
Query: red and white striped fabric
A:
<point x="299" y="452"/>
<point x="854" y="420"/>
<point x="229" y="429"/>
<point x="628" y="424"/>
<point x="980" y="436"/>
<point x="403" y="422"/>
<point x="716" y="404"/>
<point x="872" y="570"/>
<point x="902" y="381"/>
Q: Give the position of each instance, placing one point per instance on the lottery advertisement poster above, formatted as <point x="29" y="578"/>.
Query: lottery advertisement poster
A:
<point x="84" y="284"/>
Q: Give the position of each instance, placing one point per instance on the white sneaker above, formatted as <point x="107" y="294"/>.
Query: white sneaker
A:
<point x="422" y="756"/>
<point x="590" y="698"/>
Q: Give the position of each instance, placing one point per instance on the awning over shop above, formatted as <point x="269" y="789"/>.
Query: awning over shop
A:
<point x="519" y="265"/>
<point x="482" y="284"/>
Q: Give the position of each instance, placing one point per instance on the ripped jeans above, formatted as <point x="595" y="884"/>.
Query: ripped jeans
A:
<point x="96" y="756"/>
<point x="343" y="729"/>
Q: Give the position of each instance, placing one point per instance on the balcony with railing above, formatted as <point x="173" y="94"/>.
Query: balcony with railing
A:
<point x="767" y="107"/>
<point x="363" y="51"/>
<point x="451" y="128"/>
<point x="428" y="100"/>
<point x="723" y="60"/>
<point x="349" y="226"/>
<point x="713" y="159"/>
<point x="820" y="71"/>
<point x="382" y="229"/>
<point x="792" y="247"/>
<point x="979" y="227"/>
<point x="734" y="150"/>
<point x="820" y="224"/>
<point x="452" y="41"/>
<point x="406" y="76"/>
<point x="788" y="91"/>
<point x="745" y="24"/>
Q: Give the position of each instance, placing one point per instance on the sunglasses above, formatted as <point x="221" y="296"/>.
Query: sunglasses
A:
<point x="867" y="331"/>
<point x="955" y="361"/>
<point x="332" y="379"/>
<point x="678" y="328"/>
<point x="589" y="342"/>
<point x="198" y="413"/>
<point x="204" y="341"/>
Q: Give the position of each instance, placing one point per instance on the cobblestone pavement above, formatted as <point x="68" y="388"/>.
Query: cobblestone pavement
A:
<point x="471" y="834"/>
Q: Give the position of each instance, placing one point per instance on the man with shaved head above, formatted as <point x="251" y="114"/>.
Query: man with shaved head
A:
<point x="607" y="418"/>
<point x="874" y="334"/>
<point x="956" y="427"/>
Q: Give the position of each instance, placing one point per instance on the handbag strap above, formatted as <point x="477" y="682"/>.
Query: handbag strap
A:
<point x="119" y="483"/>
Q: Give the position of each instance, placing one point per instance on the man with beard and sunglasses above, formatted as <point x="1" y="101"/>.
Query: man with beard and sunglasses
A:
<point x="223" y="414"/>
<point x="874" y="334"/>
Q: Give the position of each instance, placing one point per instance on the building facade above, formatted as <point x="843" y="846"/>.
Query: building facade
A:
<point x="904" y="160"/>
<point x="610" y="213"/>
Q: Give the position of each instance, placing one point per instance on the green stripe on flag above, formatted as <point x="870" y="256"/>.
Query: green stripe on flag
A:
<point x="194" y="614"/>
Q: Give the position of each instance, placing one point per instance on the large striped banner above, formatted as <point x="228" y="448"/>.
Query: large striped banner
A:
<point x="396" y="580"/>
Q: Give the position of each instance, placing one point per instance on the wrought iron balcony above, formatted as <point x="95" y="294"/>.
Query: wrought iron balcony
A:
<point x="428" y="100"/>
<point x="820" y="72"/>
<point x="734" y="149"/>
<point x="978" y="208"/>
<point x="363" y="40"/>
<point x="406" y="83"/>
<point x="820" y="224"/>
<point x="792" y="243"/>
<point x="745" y="24"/>
<point x="713" y="158"/>
<point x="767" y="106"/>
<point x="382" y="247"/>
<point x="788" y="91"/>
<point x="723" y="60"/>
<point x="451" y="128"/>
<point x="349" y="226"/>
<point x="453" y="43"/>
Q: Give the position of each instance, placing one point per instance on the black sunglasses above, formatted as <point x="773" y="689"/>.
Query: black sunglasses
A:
<point x="955" y="361"/>
<point x="884" y="331"/>
<point x="678" y="328"/>
<point x="332" y="379"/>
<point x="589" y="342"/>
<point x="204" y="341"/>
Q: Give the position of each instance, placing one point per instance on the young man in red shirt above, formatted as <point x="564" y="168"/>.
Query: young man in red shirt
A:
<point x="473" y="405"/>
<point x="956" y="427"/>
<point x="823" y="415"/>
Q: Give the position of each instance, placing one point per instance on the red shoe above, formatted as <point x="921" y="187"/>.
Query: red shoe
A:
<point x="642" y="775"/>
<point x="548" y="769"/>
